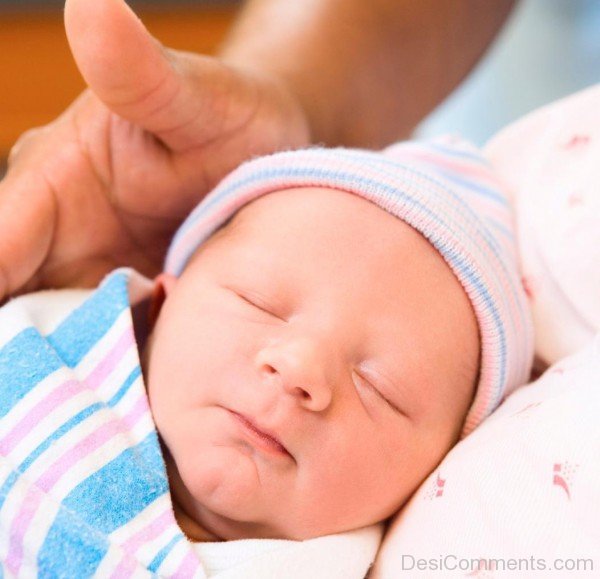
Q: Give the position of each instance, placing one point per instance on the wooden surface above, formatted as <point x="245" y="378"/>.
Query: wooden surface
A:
<point x="38" y="77"/>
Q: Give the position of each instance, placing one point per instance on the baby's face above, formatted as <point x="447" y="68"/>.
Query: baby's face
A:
<point x="340" y="330"/>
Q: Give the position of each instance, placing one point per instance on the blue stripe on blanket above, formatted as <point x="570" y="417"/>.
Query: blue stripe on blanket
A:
<point x="53" y="437"/>
<point x="29" y="358"/>
<point x="71" y="549"/>
<point x="65" y="428"/>
<point x="135" y="374"/>
<point x="82" y="329"/>
<point x="162" y="554"/>
<point x="121" y="489"/>
<point x="24" y="362"/>
<point x="59" y="433"/>
<point x="76" y="542"/>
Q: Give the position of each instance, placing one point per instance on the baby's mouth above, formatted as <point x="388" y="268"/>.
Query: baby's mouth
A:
<point x="266" y="440"/>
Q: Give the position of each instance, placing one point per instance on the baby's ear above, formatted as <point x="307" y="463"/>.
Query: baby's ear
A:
<point x="163" y="284"/>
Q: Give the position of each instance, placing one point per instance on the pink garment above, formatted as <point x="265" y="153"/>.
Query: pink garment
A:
<point x="551" y="161"/>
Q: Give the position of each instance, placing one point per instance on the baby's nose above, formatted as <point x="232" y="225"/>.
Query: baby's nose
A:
<point x="304" y="369"/>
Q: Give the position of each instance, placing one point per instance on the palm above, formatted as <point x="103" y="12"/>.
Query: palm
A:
<point x="105" y="182"/>
<point x="118" y="192"/>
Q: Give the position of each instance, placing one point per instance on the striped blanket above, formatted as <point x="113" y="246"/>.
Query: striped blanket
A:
<point x="83" y="485"/>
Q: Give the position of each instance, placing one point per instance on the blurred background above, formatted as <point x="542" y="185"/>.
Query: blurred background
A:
<point x="548" y="49"/>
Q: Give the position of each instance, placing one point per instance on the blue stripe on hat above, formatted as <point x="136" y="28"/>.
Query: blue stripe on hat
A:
<point x="341" y="178"/>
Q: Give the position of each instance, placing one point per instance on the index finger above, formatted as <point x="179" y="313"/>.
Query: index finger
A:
<point x="27" y="217"/>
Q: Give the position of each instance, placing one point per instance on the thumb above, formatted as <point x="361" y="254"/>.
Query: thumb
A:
<point x="140" y="80"/>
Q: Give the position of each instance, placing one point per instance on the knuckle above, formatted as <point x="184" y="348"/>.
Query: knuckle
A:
<point x="26" y="138"/>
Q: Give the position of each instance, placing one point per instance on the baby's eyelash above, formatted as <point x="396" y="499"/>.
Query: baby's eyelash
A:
<point x="258" y="305"/>
<point x="254" y="304"/>
<point x="380" y="395"/>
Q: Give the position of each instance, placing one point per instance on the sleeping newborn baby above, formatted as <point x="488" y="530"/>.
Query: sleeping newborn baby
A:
<point x="329" y="324"/>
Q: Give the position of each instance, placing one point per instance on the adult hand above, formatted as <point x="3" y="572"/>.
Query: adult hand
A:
<point x="107" y="183"/>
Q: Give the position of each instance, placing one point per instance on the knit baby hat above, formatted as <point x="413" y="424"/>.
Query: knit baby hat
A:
<point x="442" y="188"/>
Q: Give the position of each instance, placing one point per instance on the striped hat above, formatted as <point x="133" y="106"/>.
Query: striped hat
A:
<point x="442" y="188"/>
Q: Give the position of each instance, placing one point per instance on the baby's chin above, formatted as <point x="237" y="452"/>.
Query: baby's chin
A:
<point x="213" y="511"/>
<point x="219" y="499"/>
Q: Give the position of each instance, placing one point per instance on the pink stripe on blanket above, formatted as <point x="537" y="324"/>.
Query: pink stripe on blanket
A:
<point x="87" y="446"/>
<point x="18" y="529"/>
<point x="110" y="360"/>
<point x="140" y="409"/>
<point x="90" y="443"/>
<point x="126" y="568"/>
<point x="65" y="391"/>
<point x="189" y="566"/>
<point x="51" y="402"/>
<point x="61" y="467"/>
<point x="150" y="531"/>
<point x="78" y="452"/>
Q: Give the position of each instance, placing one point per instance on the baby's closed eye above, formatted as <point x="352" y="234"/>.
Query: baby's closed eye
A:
<point x="372" y="389"/>
<point x="257" y="302"/>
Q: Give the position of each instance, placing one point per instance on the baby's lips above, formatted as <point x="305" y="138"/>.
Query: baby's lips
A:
<point x="264" y="433"/>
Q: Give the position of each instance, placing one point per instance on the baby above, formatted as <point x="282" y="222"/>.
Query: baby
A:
<point x="329" y="324"/>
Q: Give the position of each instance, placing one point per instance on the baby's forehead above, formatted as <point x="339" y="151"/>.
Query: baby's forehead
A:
<point x="309" y="211"/>
<point x="334" y="227"/>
